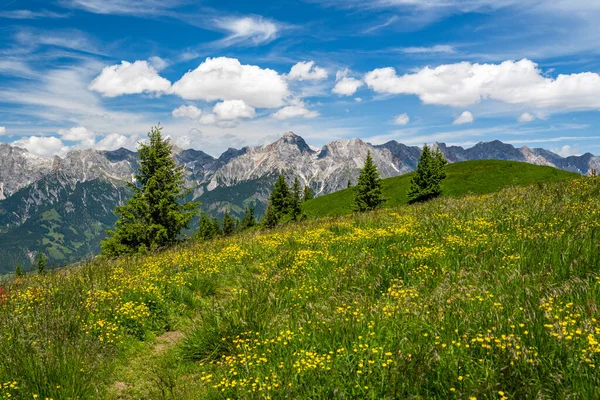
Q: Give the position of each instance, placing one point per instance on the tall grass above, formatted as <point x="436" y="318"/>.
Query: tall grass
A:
<point x="489" y="296"/>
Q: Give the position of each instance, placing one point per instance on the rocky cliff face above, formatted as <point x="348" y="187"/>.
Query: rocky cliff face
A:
<point x="65" y="204"/>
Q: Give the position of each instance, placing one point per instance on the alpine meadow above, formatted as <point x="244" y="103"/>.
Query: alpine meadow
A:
<point x="303" y="200"/>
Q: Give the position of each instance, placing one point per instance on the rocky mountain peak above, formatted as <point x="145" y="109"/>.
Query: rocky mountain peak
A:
<point x="290" y="142"/>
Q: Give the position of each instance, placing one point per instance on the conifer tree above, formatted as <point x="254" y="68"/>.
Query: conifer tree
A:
<point x="248" y="221"/>
<point x="295" y="200"/>
<point x="40" y="263"/>
<point x="349" y="183"/>
<point x="228" y="224"/>
<point x="217" y="227"/>
<point x="19" y="271"/>
<point x="367" y="192"/>
<point x="270" y="218"/>
<point x="308" y="194"/>
<point x="206" y="228"/>
<point x="280" y="197"/>
<point x="426" y="183"/>
<point x="156" y="213"/>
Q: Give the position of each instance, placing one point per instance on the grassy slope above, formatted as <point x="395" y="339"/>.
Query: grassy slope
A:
<point x="451" y="299"/>
<point x="470" y="177"/>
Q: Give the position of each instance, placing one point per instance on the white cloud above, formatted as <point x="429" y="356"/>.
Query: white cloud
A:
<point x="79" y="134"/>
<point x="294" y="112"/>
<point x="231" y="110"/>
<point x="42" y="146"/>
<point x="358" y="99"/>
<point x="208" y="119"/>
<point x="191" y="112"/>
<point x="129" y="78"/>
<point x="158" y="63"/>
<point x="567" y="151"/>
<point x="28" y="14"/>
<point x="402" y="119"/>
<point x="2" y="130"/>
<point x="254" y="29"/>
<point x="225" y="78"/>
<point x="445" y="49"/>
<point x="526" y="117"/>
<point x="345" y="86"/>
<point x="113" y="141"/>
<point x="465" y="118"/>
<point x="134" y="7"/>
<point x="518" y="83"/>
<point x="307" y="71"/>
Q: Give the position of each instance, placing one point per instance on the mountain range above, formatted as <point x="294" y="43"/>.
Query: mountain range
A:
<point x="63" y="206"/>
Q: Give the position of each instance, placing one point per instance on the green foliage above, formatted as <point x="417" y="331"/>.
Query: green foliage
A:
<point x="349" y="183"/>
<point x="248" y="221"/>
<point x="294" y="204"/>
<point x="308" y="194"/>
<point x="426" y="183"/>
<point x="367" y="193"/>
<point x="228" y="224"/>
<point x="206" y="228"/>
<point x="40" y="263"/>
<point x="19" y="270"/>
<point x="469" y="177"/>
<point x="271" y="218"/>
<point x="280" y="197"/>
<point x="156" y="213"/>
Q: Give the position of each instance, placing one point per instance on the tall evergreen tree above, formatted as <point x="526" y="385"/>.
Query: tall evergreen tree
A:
<point x="40" y="263"/>
<point x="19" y="271"/>
<point x="280" y="197"/>
<point x="367" y="192"/>
<point x="426" y="183"/>
<point x="156" y="213"/>
<point x="248" y="221"/>
<point x="308" y="194"/>
<point x="206" y="228"/>
<point x="295" y="208"/>
<point x="349" y="183"/>
<point x="228" y="224"/>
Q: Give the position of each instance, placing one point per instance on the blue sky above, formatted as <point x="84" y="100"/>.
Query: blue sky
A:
<point x="218" y="74"/>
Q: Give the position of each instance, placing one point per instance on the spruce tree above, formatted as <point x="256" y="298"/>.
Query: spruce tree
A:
<point x="349" y="183"/>
<point x="206" y="228"/>
<point x="367" y="192"/>
<point x="228" y="224"/>
<point x="248" y="221"/>
<point x="270" y="218"/>
<point x="295" y="200"/>
<point x="19" y="271"/>
<point x="426" y="183"/>
<point x="156" y="213"/>
<point x="280" y="197"/>
<point x="40" y="263"/>
<point x="308" y="194"/>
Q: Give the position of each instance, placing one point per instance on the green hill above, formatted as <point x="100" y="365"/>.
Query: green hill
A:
<point x="483" y="297"/>
<point x="464" y="178"/>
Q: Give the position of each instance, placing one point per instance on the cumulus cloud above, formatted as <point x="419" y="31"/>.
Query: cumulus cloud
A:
<point x="129" y="78"/>
<point x="345" y="86"/>
<point x="42" y="146"/>
<point x="465" y="118"/>
<point x="511" y="82"/>
<point x="158" y="63"/>
<point x="526" y="117"/>
<point x="231" y="110"/>
<point x="567" y="151"/>
<point x="225" y="78"/>
<point x="295" y="112"/>
<point x="191" y="112"/>
<point x="254" y="29"/>
<point x="402" y="119"/>
<point x="113" y="141"/>
<point x="307" y="71"/>
<point x="78" y="134"/>
<point x="2" y="130"/>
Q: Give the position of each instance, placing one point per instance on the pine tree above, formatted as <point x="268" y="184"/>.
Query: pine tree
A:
<point x="426" y="183"/>
<point x="206" y="228"/>
<point x="248" y="221"/>
<point x="270" y="218"/>
<point x="280" y="197"/>
<point x="367" y="192"/>
<point x="217" y="227"/>
<point x="228" y="224"/>
<point x="40" y="263"/>
<point x="19" y="271"/>
<point x="156" y="213"/>
<point x="349" y="183"/>
<point x="308" y="194"/>
<point x="295" y="200"/>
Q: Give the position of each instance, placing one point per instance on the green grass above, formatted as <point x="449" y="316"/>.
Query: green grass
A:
<point x="493" y="296"/>
<point x="464" y="178"/>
